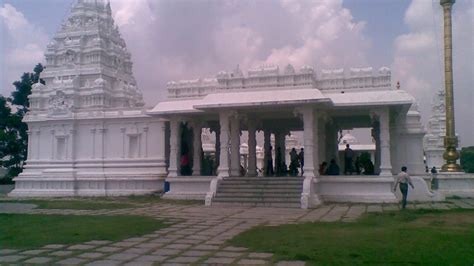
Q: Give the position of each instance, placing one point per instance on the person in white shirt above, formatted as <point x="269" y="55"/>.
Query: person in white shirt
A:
<point x="404" y="180"/>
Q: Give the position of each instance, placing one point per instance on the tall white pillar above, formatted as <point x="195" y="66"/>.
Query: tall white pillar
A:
<point x="223" y="169"/>
<point x="310" y="145"/>
<point x="173" y="168"/>
<point x="322" y="140"/>
<point x="235" y="146"/>
<point x="197" y="147"/>
<point x="252" y="143"/>
<point x="385" y="161"/>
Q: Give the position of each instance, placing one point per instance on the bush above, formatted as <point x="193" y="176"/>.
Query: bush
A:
<point x="467" y="159"/>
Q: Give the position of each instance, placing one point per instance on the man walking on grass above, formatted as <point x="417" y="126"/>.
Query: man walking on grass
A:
<point x="404" y="180"/>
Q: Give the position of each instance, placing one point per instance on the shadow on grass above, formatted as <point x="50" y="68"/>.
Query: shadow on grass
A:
<point x="425" y="237"/>
<point x="100" y="203"/>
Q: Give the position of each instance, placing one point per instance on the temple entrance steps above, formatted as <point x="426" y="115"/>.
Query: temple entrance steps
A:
<point x="282" y="192"/>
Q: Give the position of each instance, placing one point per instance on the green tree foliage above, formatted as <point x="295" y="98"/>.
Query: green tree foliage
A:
<point x="467" y="159"/>
<point x="13" y="132"/>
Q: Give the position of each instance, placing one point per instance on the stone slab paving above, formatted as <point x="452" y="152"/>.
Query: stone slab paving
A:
<point x="196" y="235"/>
<point x="335" y="214"/>
<point x="6" y="207"/>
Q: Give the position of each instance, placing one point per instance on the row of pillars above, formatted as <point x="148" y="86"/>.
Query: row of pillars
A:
<point x="228" y="144"/>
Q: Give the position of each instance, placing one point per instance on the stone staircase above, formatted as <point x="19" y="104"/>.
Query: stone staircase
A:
<point x="282" y="192"/>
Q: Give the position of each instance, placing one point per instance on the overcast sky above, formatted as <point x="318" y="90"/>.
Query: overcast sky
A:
<point x="183" y="39"/>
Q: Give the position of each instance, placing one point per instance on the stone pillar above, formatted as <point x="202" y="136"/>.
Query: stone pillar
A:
<point x="217" y="145"/>
<point x="252" y="143"/>
<point x="310" y="129"/>
<point x="376" y="136"/>
<point x="53" y="140"/>
<point x="71" y="153"/>
<point x="385" y="161"/>
<point x="223" y="170"/>
<point x="161" y="141"/>
<point x="322" y="140"/>
<point x="38" y="143"/>
<point x="102" y="132"/>
<point x="197" y="147"/>
<point x="266" y="147"/>
<point x="235" y="146"/>
<point x="173" y="168"/>
<point x="29" y="154"/>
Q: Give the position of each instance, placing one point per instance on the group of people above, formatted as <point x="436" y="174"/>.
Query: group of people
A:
<point x="351" y="164"/>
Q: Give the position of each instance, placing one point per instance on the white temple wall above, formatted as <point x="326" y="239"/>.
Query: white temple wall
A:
<point x="407" y="144"/>
<point x="96" y="157"/>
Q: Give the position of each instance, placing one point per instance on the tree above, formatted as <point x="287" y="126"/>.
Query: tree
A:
<point x="13" y="132"/>
<point x="467" y="159"/>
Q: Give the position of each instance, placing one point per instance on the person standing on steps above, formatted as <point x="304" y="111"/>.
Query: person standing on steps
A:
<point x="348" y="155"/>
<point x="404" y="180"/>
<point x="301" y="157"/>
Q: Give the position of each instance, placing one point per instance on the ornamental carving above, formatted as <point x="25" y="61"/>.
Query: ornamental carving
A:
<point x="59" y="104"/>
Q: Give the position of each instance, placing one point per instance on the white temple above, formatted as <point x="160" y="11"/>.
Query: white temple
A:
<point x="89" y="133"/>
<point x="277" y="102"/>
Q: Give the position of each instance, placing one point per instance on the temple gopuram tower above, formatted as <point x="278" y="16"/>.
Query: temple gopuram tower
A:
<point x="88" y="130"/>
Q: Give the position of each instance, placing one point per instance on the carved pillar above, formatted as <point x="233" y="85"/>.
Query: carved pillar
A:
<point x="123" y="129"/>
<point x="145" y="132"/>
<point x="376" y="135"/>
<point x="310" y="145"/>
<point x="197" y="147"/>
<point x="53" y="140"/>
<point x="161" y="141"/>
<point x="218" y="145"/>
<point x="385" y="161"/>
<point x="38" y="141"/>
<point x="30" y="143"/>
<point x="322" y="140"/>
<point x="252" y="143"/>
<point x="71" y="153"/>
<point x="93" y="130"/>
<point x="102" y="132"/>
<point x="223" y="170"/>
<point x="235" y="146"/>
<point x="173" y="168"/>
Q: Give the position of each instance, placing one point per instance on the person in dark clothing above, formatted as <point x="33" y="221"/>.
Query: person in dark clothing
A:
<point x="301" y="157"/>
<point x="333" y="168"/>
<point x="269" y="169"/>
<point x="323" y="168"/>
<point x="348" y="155"/>
<point x="294" y="164"/>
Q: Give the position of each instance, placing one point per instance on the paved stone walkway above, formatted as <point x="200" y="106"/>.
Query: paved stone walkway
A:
<point x="196" y="235"/>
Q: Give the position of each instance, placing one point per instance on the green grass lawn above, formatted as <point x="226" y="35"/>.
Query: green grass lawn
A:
<point x="424" y="237"/>
<point x="74" y="204"/>
<point x="21" y="231"/>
